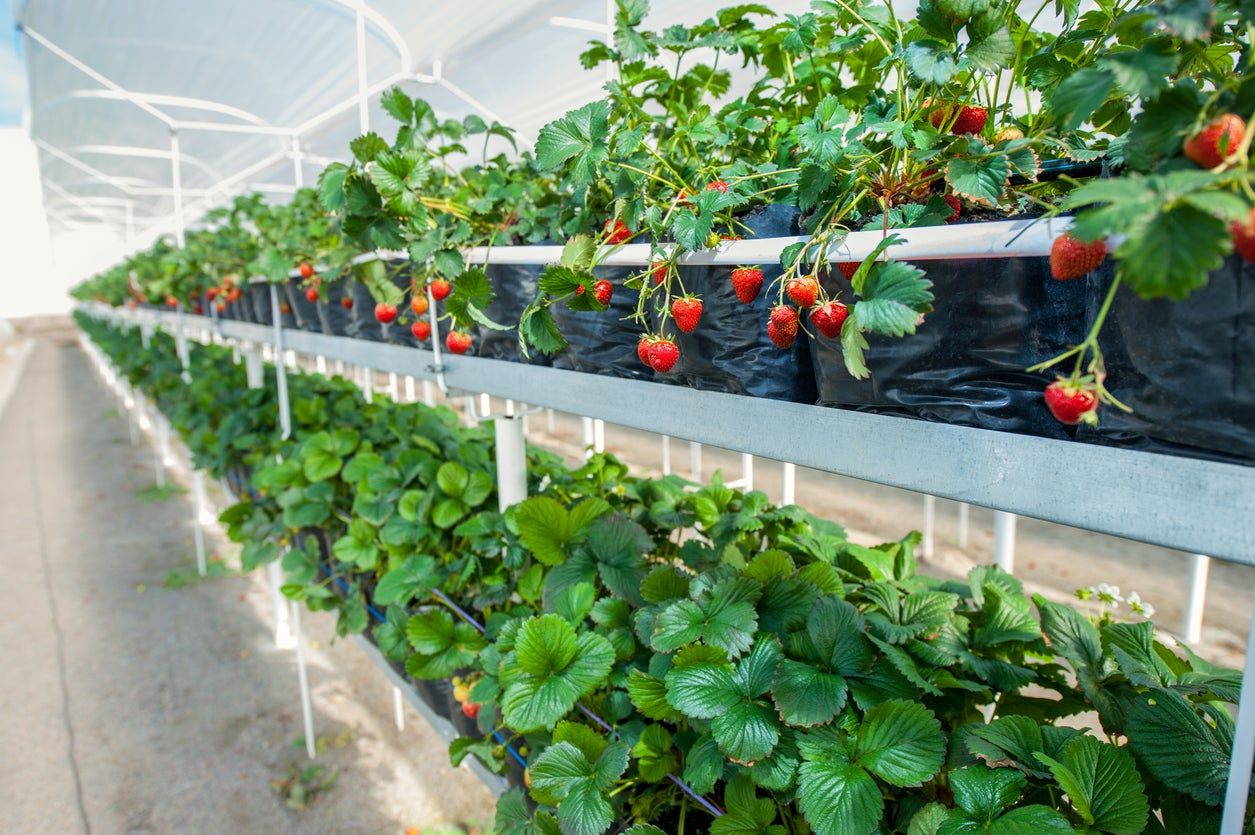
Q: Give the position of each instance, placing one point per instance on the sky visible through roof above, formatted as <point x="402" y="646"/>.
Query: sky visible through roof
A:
<point x="12" y="71"/>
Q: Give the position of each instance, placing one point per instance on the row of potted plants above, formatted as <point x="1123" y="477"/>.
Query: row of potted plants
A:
<point x="671" y="657"/>
<point x="1129" y="115"/>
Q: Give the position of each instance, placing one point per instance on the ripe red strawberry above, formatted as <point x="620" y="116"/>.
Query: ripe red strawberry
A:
<point x="803" y="290"/>
<point x="421" y="330"/>
<point x="470" y="709"/>
<point x="956" y="206"/>
<point x="211" y="293"/>
<point x="440" y="289"/>
<point x="1209" y="147"/>
<point x="171" y="301"/>
<point x="829" y="317"/>
<point x="616" y="231"/>
<point x="285" y="308"/>
<point x="385" y="312"/>
<point x="347" y="302"/>
<point x="458" y="342"/>
<point x="782" y="326"/>
<point x="305" y="269"/>
<point x="659" y="272"/>
<point x="233" y="295"/>
<point x="663" y="355"/>
<point x="718" y="185"/>
<point x="747" y="281"/>
<point x="1072" y="403"/>
<point x="198" y="308"/>
<point x="971" y="119"/>
<point x="687" y="311"/>
<point x="642" y="348"/>
<point x="222" y="307"/>
<point x="1244" y="237"/>
<point x="603" y="290"/>
<point x="418" y="304"/>
<point x="312" y="294"/>
<point x="1069" y="258"/>
<point x="849" y="268"/>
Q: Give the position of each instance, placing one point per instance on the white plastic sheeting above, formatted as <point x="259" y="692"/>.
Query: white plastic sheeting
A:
<point x="114" y="81"/>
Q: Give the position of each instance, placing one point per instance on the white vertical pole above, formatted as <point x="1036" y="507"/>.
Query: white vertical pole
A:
<point x="198" y="512"/>
<point x="1194" y="604"/>
<point x="1239" y="787"/>
<point x="695" y="461"/>
<point x="409" y="389"/>
<point x="586" y="436"/>
<point x="747" y="470"/>
<point x="666" y="455"/>
<point x="429" y="393"/>
<point x="307" y="709"/>
<point x="511" y="456"/>
<point x="965" y="511"/>
<point x="176" y="186"/>
<point x="930" y="521"/>
<point x="393" y="391"/>
<point x="363" y="103"/>
<point x="281" y="374"/>
<point x="1004" y="540"/>
<point x="485" y="405"/>
<point x="787" y="495"/>
<point x="599" y="435"/>
<point x="398" y="708"/>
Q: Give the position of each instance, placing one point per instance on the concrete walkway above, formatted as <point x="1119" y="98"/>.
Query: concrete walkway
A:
<point x="127" y="706"/>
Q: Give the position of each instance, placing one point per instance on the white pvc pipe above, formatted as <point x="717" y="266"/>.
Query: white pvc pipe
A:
<point x="307" y="709"/>
<point x="1197" y="599"/>
<point x="586" y="436"/>
<point x="320" y="364"/>
<point x="930" y="522"/>
<point x="964" y="518"/>
<point x="666" y="455"/>
<point x="1239" y="787"/>
<point x="281" y="374"/>
<point x="747" y="470"/>
<point x="787" y="495"/>
<point x="198" y="512"/>
<point x="393" y="391"/>
<point x="176" y="185"/>
<point x="285" y="637"/>
<point x="1004" y="540"/>
<point x="429" y="393"/>
<point x="599" y="435"/>
<point x="511" y="455"/>
<point x="409" y="389"/>
<point x="398" y="708"/>
<point x="695" y="461"/>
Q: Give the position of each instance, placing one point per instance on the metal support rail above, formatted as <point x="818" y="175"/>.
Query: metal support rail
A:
<point x="1183" y="503"/>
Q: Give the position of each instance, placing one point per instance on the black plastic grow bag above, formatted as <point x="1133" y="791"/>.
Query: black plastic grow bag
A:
<point x="514" y="288"/>
<point x="603" y="341"/>
<point x="730" y="350"/>
<point x="363" y="324"/>
<point x="965" y="364"/>
<point x="332" y="316"/>
<point x="305" y="311"/>
<point x="259" y="300"/>
<point x="1186" y="368"/>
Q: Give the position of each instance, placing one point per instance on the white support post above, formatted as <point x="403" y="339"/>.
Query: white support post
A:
<point x="666" y="455"/>
<point x="398" y="708"/>
<point x="198" y="512"/>
<point x="1237" y="793"/>
<point x="1004" y="540"/>
<point x="695" y="461"/>
<point x="176" y="186"/>
<point x="1192" y="630"/>
<point x="965" y="512"/>
<point x="511" y="461"/>
<point x="788" y="494"/>
<point x="253" y="371"/>
<point x="363" y="100"/>
<point x="180" y="343"/>
<point x="393" y="391"/>
<point x="599" y="435"/>
<point x="586" y="436"/>
<point x="281" y="373"/>
<point x="747" y="471"/>
<point x="307" y="708"/>
<point x="930" y="522"/>
<point x="320" y="364"/>
<point x="429" y="393"/>
<point x="409" y="389"/>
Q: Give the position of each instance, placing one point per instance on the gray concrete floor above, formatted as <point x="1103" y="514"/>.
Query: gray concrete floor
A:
<point x="130" y="707"/>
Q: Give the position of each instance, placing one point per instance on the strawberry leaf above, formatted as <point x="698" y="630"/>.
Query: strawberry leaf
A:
<point x="979" y="178"/>
<point x="549" y="670"/>
<point x="577" y="141"/>
<point x="854" y="346"/>
<point x="1079" y="95"/>
<point x="538" y="329"/>
<point x="441" y="646"/>
<point x="1102" y="784"/>
<point x="894" y="296"/>
<point x="550" y="530"/>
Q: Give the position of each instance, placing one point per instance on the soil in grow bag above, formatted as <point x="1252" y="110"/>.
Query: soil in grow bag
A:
<point x="334" y="319"/>
<point x="729" y="350"/>
<point x="965" y="364"/>
<point x="259" y="297"/>
<point x="603" y="341"/>
<point x="1186" y="368"/>
<point x="305" y="311"/>
<point x="364" y="325"/>
<point x="514" y="287"/>
<point x="398" y="331"/>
